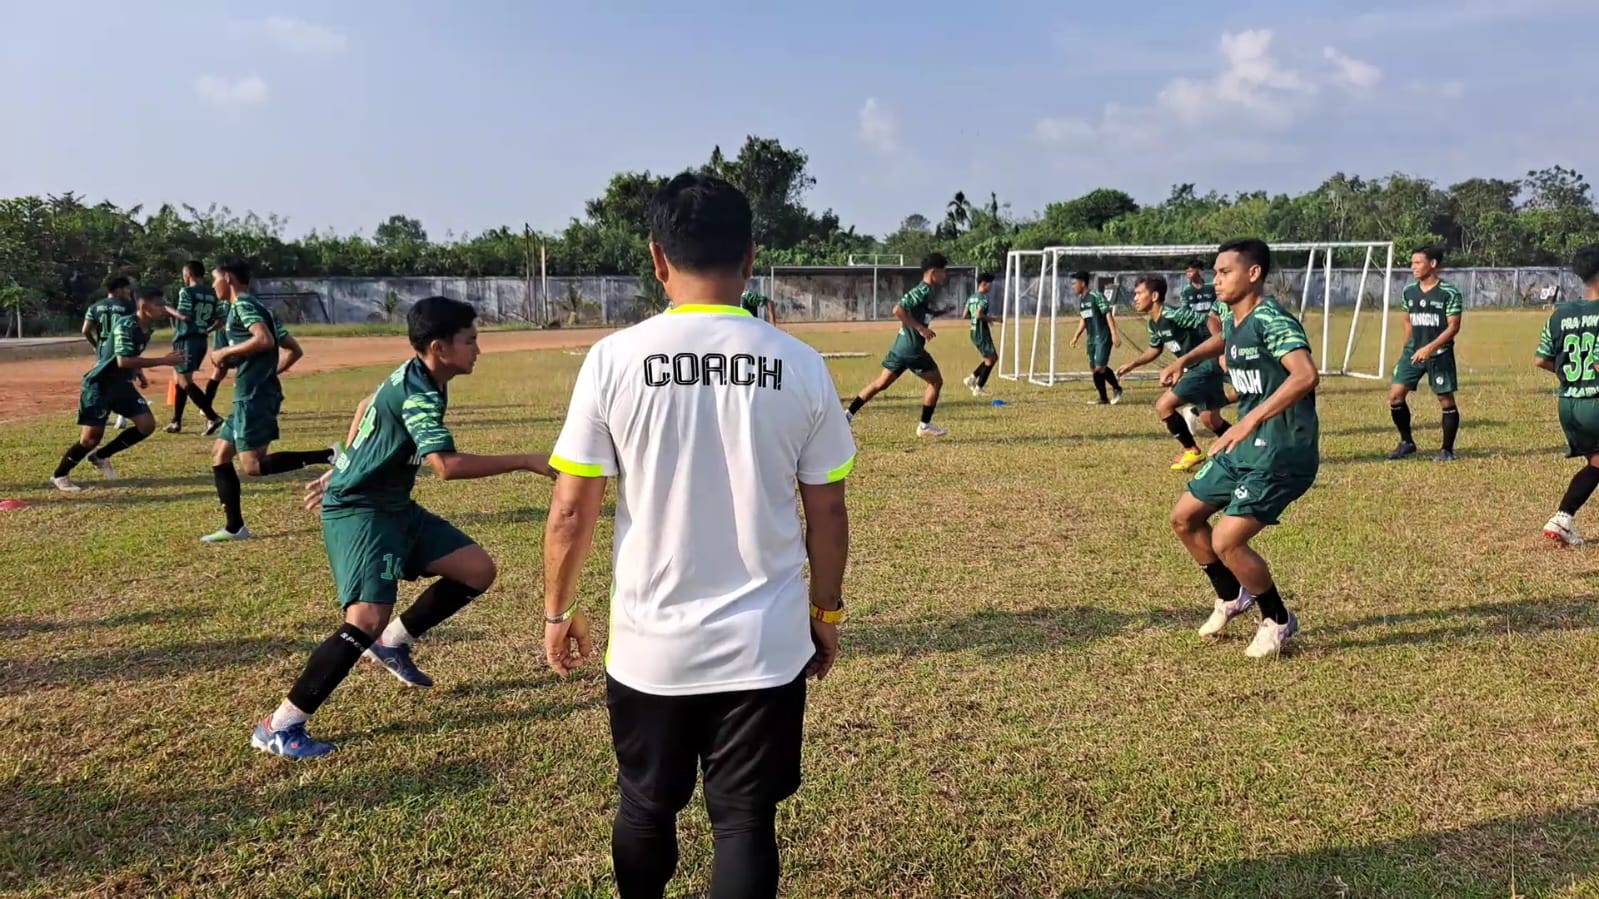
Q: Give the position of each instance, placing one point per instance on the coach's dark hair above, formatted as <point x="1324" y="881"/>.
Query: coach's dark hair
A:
<point x="1253" y="249"/>
<point x="437" y="318"/>
<point x="151" y="292"/>
<point x="1586" y="263"/>
<point x="1156" y="285"/>
<point x="117" y="282"/>
<point x="237" y="266"/>
<point x="1431" y="251"/>
<point x="702" y="223"/>
<point x="985" y="278"/>
<point x="1195" y="263"/>
<point x="1084" y="277"/>
<point x="194" y="268"/>
<point x="932" y="261"/>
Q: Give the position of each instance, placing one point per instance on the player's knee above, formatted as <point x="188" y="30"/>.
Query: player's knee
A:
<point x="89" y="441"/>
<point x="250" y="466"/>
<point x="370" y="617"/>
<point x="481" y="575"/>
<point x="1229" y="546"/>
<point x="1446" y="402"/>
<point x="1182" y="523"/>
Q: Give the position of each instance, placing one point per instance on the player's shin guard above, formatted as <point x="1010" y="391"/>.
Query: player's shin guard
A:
<point x="927" y="413"/>
<point x="70" y="460"/>
<point x="982" y="379"/>
<point x="278" y="463"/>
<point x="1401" y="415"/>
<point x="437" y="603"/>
<point x="855" y="405"/>
<point x="1179" y="429"/>
<point x="228" y="492"/>
<point x="182" y="403"/>
<point x="201" y="400"/>
<point x="127" y="438"/>
<point x="1271" y="605"/>
<point x="211" y="390"/>
<point x="328" y="666"/>
<point x="1581" y="488"/>
<point x="1222" y="579"/>
<point x="1221" y="428"/>
<point x="1111" y="380"/>
<point x="1099" y="385"/>
<point x="1451" y="425"/>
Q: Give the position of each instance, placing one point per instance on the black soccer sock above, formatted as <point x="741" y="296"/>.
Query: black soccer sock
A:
<point x="227" y="481"/>
<point x="1222" y="428"/>
<point x="745" y="859"/>
<point x="122" y="441"/>
<point x="211" y="390"/>
<point x="1582" y="487"/>
<point x="1451" y="428"/>
<point x="982" y="379"/>
<point x="1401" y="414"/>
<point x="855" y="405"/>
<point x="643" y="848"/>
<point x="182" y="403"/>
<point x="327" y="667"/>
<point x="201" y="401"/>
<point x="70" y="459"/>
<point x="1221" y="578"/>
<point x="1110" y="378"/>
<point x="438" y="602"/>
<point x="927" y="413"/>
<point x="977" y="373"/>
<point x="1179" y="429"/>
<point x="278" y="463"/>
<point x="1271" y="606"/>
<point x="1099" y="385"/>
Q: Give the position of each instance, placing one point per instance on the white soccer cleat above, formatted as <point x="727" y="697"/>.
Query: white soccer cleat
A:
<point x="930" y="431"/>
<point x="104" y="465"/>
<point x="120" y="422"/>
<point x="970" y="382"/>
<point x="979" y="391"/>
<point x="1563" y="530"/>
<point x="1226" y="610"/>
<point x="1116" y="397"/>
<point x="849" y="417"/>
<point x="227" y="536"/>
<point x="64" y="484"/>
<point x="1190" y="415"/>
<point x="1271" y="636"/>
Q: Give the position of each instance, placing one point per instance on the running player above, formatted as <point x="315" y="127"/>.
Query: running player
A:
<point x="1265" y="461"/>
<point x="103" y="313"/>
<point x="194" y="314"/>
<point x="754" y="302"/>
<point x="1432" y="319"/>
<point x="1179" y="330"/>
<point x="909" y="352"/>
<point x="376" y="534"/>
<point x="1197" y="294"/>
<point x="219" y="341"/>
<point x="1569" y="347"/>
<point x="1099" y="323"/>
<point x="982" y="335"/>
<point x="108" y="387"/>
<point x="255" y="343"/>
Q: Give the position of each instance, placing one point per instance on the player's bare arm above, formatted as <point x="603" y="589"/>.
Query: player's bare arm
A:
<point x="1115" y="332"/>
<point x="289" y="352"/>
<point x="91" y="333"/>
<point x="568" y="537"/>
<point x="1081" y="327"/>
<point x="904" y="316"/>
<point x="137" y="362"/>
<point x="1302" y="379"/>
<point x="467" y="466"/>
<point x="260" y="341"/>
<point x="827" y="548"/>
<point x="1451" y="330"/>
<point x="1210" y="349"/>
<point x="1142" y="359"/>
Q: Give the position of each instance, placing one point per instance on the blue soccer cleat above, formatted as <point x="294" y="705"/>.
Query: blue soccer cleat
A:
<point x="292" y="742"/>
<point x="398" y="660"/>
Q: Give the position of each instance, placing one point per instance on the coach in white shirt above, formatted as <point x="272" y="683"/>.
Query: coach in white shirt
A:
<point x="707" y="418"/>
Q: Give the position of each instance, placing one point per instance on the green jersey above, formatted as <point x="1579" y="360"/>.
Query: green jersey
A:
<point x="1429" y="312"/>
<point x="976" y="308"/>
<point x="1179" y="329"/>
<point x="257" y="374"/>
<point x="199" y="305"/>
<point x="1095" y="310"/>
<point x="1254" y="352"/>
<point x="1199" y="299"/>
<point x="1570" y="340"/>
<point x="403" y="424"/>
<point x="104" y="313"/>
<point x="123" y="338"/>
<point x="918" y="301"/>
<point x="752" y="302"/>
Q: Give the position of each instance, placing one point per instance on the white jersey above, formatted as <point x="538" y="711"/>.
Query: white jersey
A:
<point x="708" y="418"/>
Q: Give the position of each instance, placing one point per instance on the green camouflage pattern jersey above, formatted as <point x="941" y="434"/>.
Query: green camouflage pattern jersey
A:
<point x="753" y="302"/>
<point x="1199" y="299"/>
<point x="976" y="308"/>
<point x="123" y="338"/>
<point x="104" y="313"/>
<point x="403" y="425"/>
<point x="1429" y="312"/>
<point x="1094" y="308"/>
<point x="257" y="374"/>
<point x="1570" y="340"/>
<point x="918" y="301"/>
<point x="1254" y="352"/>
<point x="1179" y="330"/>
<point x="199" y="305"/>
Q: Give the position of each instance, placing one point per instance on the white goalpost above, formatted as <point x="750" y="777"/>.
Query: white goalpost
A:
<point x="1034" y="289"/>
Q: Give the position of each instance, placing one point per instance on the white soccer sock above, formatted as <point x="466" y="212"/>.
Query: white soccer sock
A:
<point x="395" y="634"/>
<point x="287" y="715"/>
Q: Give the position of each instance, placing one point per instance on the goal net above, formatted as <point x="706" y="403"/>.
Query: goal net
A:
<point x="1344" y="310"/>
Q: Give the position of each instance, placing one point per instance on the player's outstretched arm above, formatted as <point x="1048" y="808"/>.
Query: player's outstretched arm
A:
<point x="452" y="466"/>
<point x="1142" y="359"/>
<point x="568" y="538"/>
<point x="1302" y="379"/>
<point x="1210" y="349"/>
<point x="138" y="362"/>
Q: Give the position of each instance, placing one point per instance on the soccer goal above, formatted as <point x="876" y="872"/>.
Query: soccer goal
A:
<point x="1040" y="312"/>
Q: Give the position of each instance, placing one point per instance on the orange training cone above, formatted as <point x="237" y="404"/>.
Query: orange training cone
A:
<point x="172" y="391"/>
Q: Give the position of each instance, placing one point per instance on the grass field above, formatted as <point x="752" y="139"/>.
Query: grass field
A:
<point x="1022" y="708"/>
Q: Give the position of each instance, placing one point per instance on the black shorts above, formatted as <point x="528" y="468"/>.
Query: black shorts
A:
<point x="749" y="743"/>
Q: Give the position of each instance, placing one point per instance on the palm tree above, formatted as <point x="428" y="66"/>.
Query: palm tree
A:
<point x="958" y="214"/>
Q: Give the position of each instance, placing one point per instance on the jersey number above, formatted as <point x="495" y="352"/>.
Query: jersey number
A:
<point x="368" y="425"/>
<point x="1582" y="356"/>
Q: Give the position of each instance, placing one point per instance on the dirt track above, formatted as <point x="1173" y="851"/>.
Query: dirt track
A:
<point x="34" y="386"/>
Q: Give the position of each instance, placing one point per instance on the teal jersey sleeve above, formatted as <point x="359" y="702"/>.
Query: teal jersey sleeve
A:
<point x="1282" y="334"/>
<point x="1454" y="303"/>
<point x="916" y="296"/>
<point x="124" y="337"/>
<point x="1546" y="341"/>
<point x="423" y="414"/>
<point x="248" y="314"/>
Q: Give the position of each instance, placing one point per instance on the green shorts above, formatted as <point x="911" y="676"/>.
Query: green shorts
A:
<point x="1579" y="419"/>
<point x="97" y="401"/>
<point x="1202" y="387"/>
<point x="253" y="423"/>
<point x="194" y="350"/>
<point x="1439" y="372"/>
<point x="372" y="550"/>
<point x="1098" y="353"/>
<point x="916" y="363"/>
<point x="985" y="345"/>
<point x="1261" y="494"/>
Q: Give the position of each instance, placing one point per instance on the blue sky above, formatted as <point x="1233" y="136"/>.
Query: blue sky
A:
<point x="486" y="112"/>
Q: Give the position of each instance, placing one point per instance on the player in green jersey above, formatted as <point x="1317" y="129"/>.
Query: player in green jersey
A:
<point x="377" y="535"/>
<point x="100" y="315"/>
<point x="1569" y="347"/>
<point x="982" y="335"/>
<point x="1265" y="461"/>
<point x="219" y="341"/>
<point x="754" y="302"/>
<point x="1432" y="320"/>
<point x="915" y="312"/>
<point x="1179" y="330"/>
<point x="1099" y="323"/>
<point x="256" y="349"/>
<point x="108" y="388"/>
<point x="1197" y="294"/>
<point x="195" y="314"/>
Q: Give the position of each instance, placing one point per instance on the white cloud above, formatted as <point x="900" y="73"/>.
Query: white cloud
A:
<point x="1350" y="73"/>
<point x="1052" y="130"/>
<point x="1251" y="78"/>
<point x="879" y="128"/>
<point x="231" y="94"/>
<point x="294" y="35"/>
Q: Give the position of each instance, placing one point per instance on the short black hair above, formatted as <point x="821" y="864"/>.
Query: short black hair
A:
<point x="1253" y="249"/>
<point x="702" y="223"/>
<point x="1586" y="263"/>
<point x="1432" y="251"/>
<point x="985" y="278"/>
<point x="237" y="266"/>
<point x="437" y="318"/>
<point x="932" y="261"/>
<point x="117" y="282"/>
<point x="1194" y="263"/>
<point x="194" y="268"/>
<point x="1084" y="277"/>
<point x="151" y="292"/>
<point x="1156" y="285"/>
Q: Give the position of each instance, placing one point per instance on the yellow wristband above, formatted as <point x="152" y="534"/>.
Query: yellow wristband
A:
<point x="827" y="616"/>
